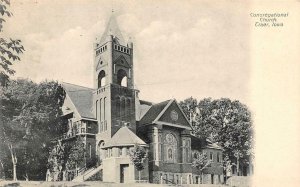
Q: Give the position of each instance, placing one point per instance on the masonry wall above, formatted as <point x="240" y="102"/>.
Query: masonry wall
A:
<point x="90" y="151"/>
<point x="103" y="116"/>
<point x="160" y="177"/>
<point x="122" y="108"/>
<point x="216" y="166"/>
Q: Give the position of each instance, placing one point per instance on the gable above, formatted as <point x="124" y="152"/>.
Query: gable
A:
<point x="121" y="61"/>
<point x="174" y="115"/>
<point x="80" y="98"/>
<point x="99" y="64"/>
<point x="153" y="112"/>
<point x="68" y="107"/>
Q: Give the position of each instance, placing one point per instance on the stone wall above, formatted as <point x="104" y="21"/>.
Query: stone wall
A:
<point x="171" y="178"/>
<point x="240" y="181"/>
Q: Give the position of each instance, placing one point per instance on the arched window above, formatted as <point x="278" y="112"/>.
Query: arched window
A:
<point x="118" y="106"/>
<point x="101" y="79"/>
<point x="104" y="109"/>
<point x="128" y="107"/>
<point x="123" y="107"/>
<point x="100" y="109"/>
<point x="100" y="150"/>
<point x="96" y="109"/>
<point x="122" y="77"/>
<point x="90" y="150"/>
<point x="170" y="147"/>
<point x="186" y="147"/>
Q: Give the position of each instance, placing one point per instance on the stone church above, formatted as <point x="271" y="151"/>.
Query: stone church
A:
<point x="111" y="120"/>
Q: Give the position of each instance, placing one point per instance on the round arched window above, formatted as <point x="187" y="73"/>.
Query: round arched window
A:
<point x="170" y="138"/>
<point x="170" y="147"/>
<point x="122" y="78"/>
<point x="101" y="79"/>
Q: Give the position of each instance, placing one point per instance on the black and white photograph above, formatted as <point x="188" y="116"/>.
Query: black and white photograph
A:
<point x="192" y="93"/>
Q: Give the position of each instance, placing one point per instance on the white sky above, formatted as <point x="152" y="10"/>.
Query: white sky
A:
<point x="181" y="48"/>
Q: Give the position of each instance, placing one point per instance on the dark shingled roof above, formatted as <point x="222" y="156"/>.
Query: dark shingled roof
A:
<point x="198" y="143"/>
<point x="143" y="102"/>
<point x="82" y="98"/>
<point x="153" y="112"/>
<point x="203" y="143"/>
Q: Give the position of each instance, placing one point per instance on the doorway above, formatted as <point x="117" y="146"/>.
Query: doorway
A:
<point x="124" y="173"/>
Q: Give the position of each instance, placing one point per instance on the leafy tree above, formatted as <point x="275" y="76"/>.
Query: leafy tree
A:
<point x="76" y="157"/>
<point x="201" y="162"/>
<point x="137" y="156"/>
<point x="29" y="121"/>
<point x="9" y="48"/>
<point x="189" y="107"/>
<point x="227" y="166"/>
<point x="58" y="158"/>
<point x="228" y="123"/>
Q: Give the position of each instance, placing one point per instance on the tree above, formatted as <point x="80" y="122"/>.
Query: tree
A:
<point x="201" y="162"/>
<point x="137" y="156"/>
<point x="227" y="167"/>
<point x="76" y="157"/>
<point x="9" y="48"/>
<point x="189" y="107"/>
<point x="229" y="124"/>
<point x="11" y="104"/>
<point x="29" y="121"/>
<point x="58" y="158"/>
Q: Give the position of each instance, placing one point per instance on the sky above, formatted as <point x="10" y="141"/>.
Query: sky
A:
<point x="181" y="48"/>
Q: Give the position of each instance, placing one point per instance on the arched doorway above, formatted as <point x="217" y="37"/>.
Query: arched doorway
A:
<point x="100" y="152"/>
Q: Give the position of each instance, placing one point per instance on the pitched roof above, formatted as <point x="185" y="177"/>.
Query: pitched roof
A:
<point x="141" y="108"/>
<point x="212" y="145"/>
<point x="203" y="143"/>
<point x="153" y="112"/>
<point x="81" y="97"/>
<point x="198" y="143"/>
<point x="124" y="136"/>
<point x="112" y="28"/>
<point x="143" y="102"/>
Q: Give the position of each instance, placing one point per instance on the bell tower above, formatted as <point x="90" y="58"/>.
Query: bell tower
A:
<point x="114" y="95"/>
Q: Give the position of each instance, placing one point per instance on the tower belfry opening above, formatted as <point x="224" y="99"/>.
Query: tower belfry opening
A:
<point x="122" y="78"/>
<point x="101" y="79"/>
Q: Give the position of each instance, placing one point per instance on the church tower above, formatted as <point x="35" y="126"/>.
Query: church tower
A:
<point x="114" y="95"/>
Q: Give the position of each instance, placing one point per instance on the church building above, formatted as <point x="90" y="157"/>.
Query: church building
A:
<point x="110" y="119"/>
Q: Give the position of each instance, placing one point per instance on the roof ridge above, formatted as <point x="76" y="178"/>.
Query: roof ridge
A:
<point x="161" y="102"/>
<point x="124" y="132"/>
<point x="77" y="85"/>
<point x="164" y="109"/>
<point x="130" y="133"/>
